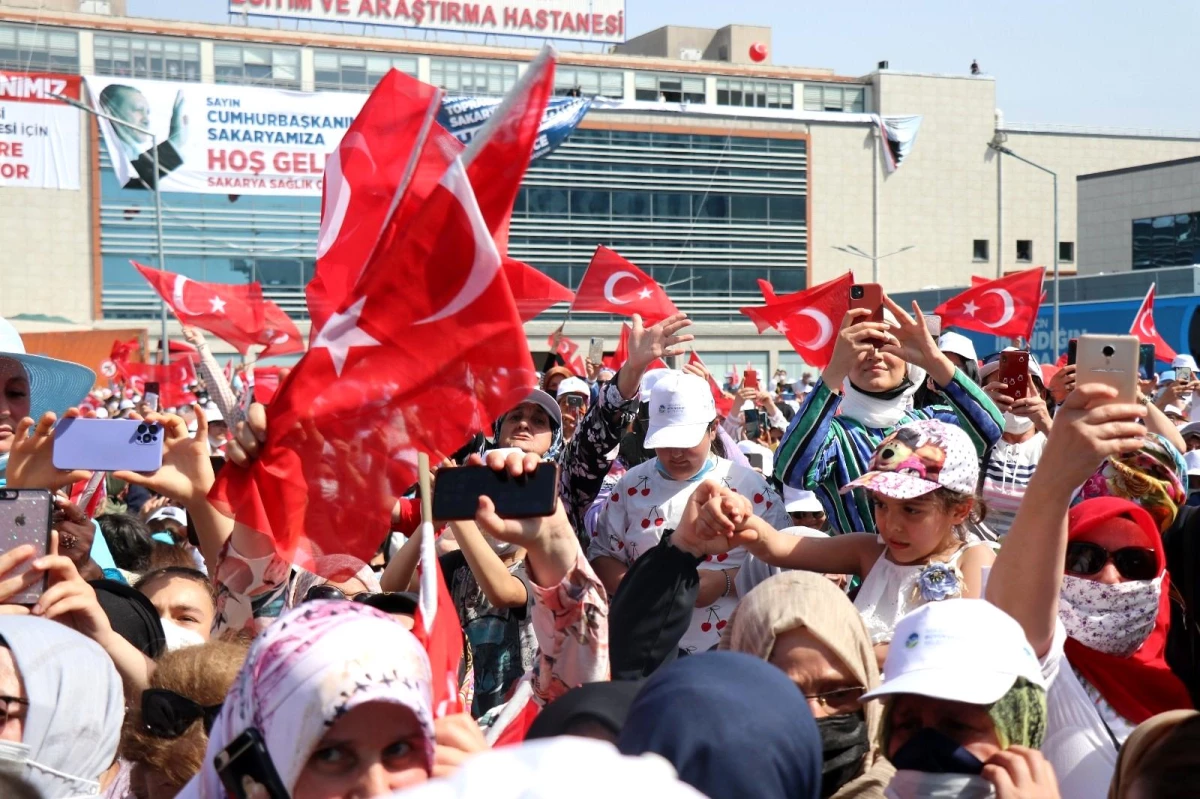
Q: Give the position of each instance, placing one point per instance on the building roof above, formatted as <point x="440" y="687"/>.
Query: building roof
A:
<point x="1195" y="159"/>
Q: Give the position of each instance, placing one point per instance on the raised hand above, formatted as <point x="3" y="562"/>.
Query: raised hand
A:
<point x="857" y="338"/>
<point x="1088" y="428"/>
<point x="662" y="340"/>
<point x="186" y="473"/>
<point x="30" y="461"/>
<point x="915" y="344"/>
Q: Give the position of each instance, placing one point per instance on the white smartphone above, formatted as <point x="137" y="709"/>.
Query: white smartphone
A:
<point x="596" y="350"/>
<point x="1111" y="361"/>
<point x="107" y="444"/>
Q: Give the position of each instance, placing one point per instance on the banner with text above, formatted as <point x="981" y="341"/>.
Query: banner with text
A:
<point x="39" y="135"/>
<point x="579" y="20"/>
<point x="215" y="139"/>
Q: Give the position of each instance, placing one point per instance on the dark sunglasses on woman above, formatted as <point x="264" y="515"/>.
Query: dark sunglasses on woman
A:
<point x="166" y="714"/>
<point x="387" y="601"/>
<point x="1133" y="563"/>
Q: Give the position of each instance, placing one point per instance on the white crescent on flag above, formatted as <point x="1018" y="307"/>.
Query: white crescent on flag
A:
<point x="339" y="192"/>
<point x="824" y="329"/>
<point x="611" y="285"/>
<point x="1146" y="324"/>
<point x="1007" y="315"/>
<point x="177" y="296"/>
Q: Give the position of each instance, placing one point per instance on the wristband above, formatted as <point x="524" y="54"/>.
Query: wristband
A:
<point x="728" y="585"/>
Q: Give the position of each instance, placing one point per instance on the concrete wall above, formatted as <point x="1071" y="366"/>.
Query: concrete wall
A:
<point x="1108" y="205"/>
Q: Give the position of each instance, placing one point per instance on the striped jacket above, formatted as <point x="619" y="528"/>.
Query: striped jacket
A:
<point x="822" y="451"/>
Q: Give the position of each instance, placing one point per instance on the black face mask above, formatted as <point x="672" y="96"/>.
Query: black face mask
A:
<point x="843" y="745"/>
<point x="932" y="752"/>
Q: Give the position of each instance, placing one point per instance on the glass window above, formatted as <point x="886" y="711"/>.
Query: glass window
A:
<point x="749" y="206"/>
<point x="258" y="66"/>
<point x="754" y="93"/>
<point x="147" y="57"/>
<point x="28" y="49"/>
<point x="631" y="204"/>
<point x="472" y="77"/>
<point x="979" y="250"/>
<point x="668" y="88"/>
<point x="671" y="205"/>
<point x="1170" y="240"/>
<point x="594" y="204"/>
<point x="787" y="209"/>
<point x="1024" y="251"/>
<point x="828" y="97"/>
<point x="548" y="202"/>
<point x="573" y="82"/>
<point x="1066" y="251"/>
<point x="357" y="71"/>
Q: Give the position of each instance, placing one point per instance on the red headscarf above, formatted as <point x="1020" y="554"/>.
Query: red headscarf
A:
<point x="1141" y="685"/>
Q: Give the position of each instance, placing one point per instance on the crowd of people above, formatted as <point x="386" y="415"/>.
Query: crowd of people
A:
<point x="891" y="578"/>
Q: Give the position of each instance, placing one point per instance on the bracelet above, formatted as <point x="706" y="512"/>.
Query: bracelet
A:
<point x="728" y="585"/>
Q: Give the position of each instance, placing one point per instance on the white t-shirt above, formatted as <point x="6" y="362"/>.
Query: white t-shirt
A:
<point x="1078" y="744"/>
<point x="645" y="503"/>
<point x="1006" y="476"/>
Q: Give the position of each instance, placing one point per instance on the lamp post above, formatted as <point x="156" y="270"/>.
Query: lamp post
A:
<point x="850" y="249"/>
<point x="997" y="144"/>
<point x="158" y="214"/>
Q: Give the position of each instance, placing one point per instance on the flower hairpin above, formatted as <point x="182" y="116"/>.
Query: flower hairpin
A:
<point x="938" y="581"/>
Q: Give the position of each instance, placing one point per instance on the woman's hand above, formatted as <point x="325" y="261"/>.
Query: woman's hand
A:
<point x="1019" y="772"/>
<point x="698" y="370"/>
<point x="857" y="339"/>
<point x="1033" y="407"/>
<point x="714" y="513"/>
<point x="456" y="739"/>
<point x="1088" y="428"/>
<point x="75" y="531"/>
<point x="31" y="459"/>
<point x="1062" y="384"/>
<point x="916" y="345"/>
<point x="249" y="435"/>
<point x="69" y="599"/>
<point x="186" y="473"/>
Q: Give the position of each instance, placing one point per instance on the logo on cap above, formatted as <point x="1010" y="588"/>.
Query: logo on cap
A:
<point x="912" y="641"/>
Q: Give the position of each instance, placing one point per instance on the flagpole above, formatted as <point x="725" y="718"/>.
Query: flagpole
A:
<point x="423" y="479"/>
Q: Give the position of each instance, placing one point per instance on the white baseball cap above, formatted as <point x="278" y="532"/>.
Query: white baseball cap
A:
<point x="1183" y="359"/>
<point x="681" y="409"/>
<point x="574" y="385"/>
<point x="958" y="344"/>
<point x="1190" y="429"/>
<point x="170" y="513"/>
<point x="1192" y="459"/>
<point x="961" y="650"/>
<point x="648" y="380"/>
<point x="796" y="500"/>
<point x="1174" y="409"/>
<point x="212" y="413"/>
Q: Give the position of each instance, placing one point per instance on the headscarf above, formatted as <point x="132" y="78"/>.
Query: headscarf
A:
<point x="1020" y="715"/>
<point x="731" y="724"/>
<point x="606" y="703"/>
<point x="76" y="705"/>
<point x="551" y="373"/>
<point x="303" y="580"/>
<point x="881" y="410"/>
<point x="798" y="599"/>
<point x="1154" y="477"/>
<point x="556" y="440"/>
<point x="315" y="663"/>
<point x="1149" y="734"/>
<point x="1142" y="684"/>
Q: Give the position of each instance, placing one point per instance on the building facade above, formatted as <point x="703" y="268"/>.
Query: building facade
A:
<point x="709" y="174"/>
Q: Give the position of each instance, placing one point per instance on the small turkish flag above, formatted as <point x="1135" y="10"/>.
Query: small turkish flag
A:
<point x="279" y="333"/>
<point x="533" y="290"/>
<point x="724" y="404"/>
<point x="568" y="350"/>
<point x="436" y="627"/>
<point x="1007" y="306"/>
<point x="266" y="383"/>
<point x="122" y="350"/>
<point x="613" y="285"/>
<point x="808" y="319"/>
<point x="173" y="380"/>
<point x="1143" y="327"/>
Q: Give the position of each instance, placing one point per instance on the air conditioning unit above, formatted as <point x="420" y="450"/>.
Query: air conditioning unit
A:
<point x="96" y="7"/>
<point x="690" y="54"/>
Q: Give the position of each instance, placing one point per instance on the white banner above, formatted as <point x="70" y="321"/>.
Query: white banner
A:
<point x="579" y="20"/>
<point x="39" y="136"/>
<point x="215" y="139"/>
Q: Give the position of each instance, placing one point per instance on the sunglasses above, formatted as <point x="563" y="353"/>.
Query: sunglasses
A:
<point x="387" y="601"/>
<point x="166" y="714"/>
<point x="1133" y="563"/>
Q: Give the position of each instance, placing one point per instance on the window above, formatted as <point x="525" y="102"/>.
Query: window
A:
<point x="1066" y="251"/>
<point x="668" y="88"/>
<point x="979" y="251"/>
<point x="820" y="97"/>
<point x="571" y="82"/>
<point x="260" y="66"/>
<point x="1171" y="240"/>
<point x="146" y="57"/>
<point x="38" y="49"/>
<point x="472" y="78"/>
<point x="754" y="93"/>
<point x="357" y="71"/>
<point x="1024" y="251"/>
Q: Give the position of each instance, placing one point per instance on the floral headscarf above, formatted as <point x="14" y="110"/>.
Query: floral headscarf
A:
<point x="1150" y="477"/>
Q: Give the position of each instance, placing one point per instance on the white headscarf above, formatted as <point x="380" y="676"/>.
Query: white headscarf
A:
<point x="876" y="412"/>
<point x="76" y="706"/>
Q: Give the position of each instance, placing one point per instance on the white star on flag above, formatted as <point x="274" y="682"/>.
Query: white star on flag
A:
<point x="218" y="304"/>
<point x="970" y="308"/>
<point x="782" y="327"/>
<point x="341" y="333"/>
<point x="644" y="294"/>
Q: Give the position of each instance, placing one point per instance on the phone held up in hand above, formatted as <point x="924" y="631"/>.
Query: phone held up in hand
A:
<point x="870" y="297"/>
<point x="1110" y="361"/>
<point x="107" y="445"/>
<point x="1146" y="355"/>
<point x="750" y="379"/>
<point x="596" y="351"/>
<point x="246" y="769"/>
<point x="1184" y="374"/>
<point x="457" y="491"/>
<point x="1014" y="373"/>
<point x="25" y="518"/>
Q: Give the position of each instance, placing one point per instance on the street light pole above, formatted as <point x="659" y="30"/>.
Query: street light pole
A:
<point x="850" y="249"/>
<point x="158" y="214"/>
<point x="996" y="145"/>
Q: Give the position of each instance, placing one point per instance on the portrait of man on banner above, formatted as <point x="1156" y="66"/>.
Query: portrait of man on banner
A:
<point x="129" y="104"/>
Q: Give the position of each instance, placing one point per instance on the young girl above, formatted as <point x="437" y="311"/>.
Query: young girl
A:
<point x="922" y="482"/>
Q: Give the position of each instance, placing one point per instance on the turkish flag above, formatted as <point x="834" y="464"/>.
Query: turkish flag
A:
<point x="808" y="319"/>
<point x="1007" y="306"/>
<point x="173" y="380"/>
<point x="568" y="350"/>
<point x="279" y="332"/>
<point x="1143" y="327"/>
<point x="768" y="292"/>
<point x="613" y="285"/>
<point x="976" y="280"/>
<point x="266" y="383"/>
<point x="393" y="154"/>
<point x="534" y="290"/>
<point x="122" y="350"/>
<point x="724" y="404"/>
<point x="436" y="627"/>
<point x="382" y="381"/>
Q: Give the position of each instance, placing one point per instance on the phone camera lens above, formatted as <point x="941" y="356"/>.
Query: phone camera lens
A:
<point x="856" y="292"/>
<point x="1108" y="351"/>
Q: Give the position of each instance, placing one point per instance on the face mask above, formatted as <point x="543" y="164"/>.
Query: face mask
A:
<point x="923" y="785"/>
<point x="1114" y="619"/>
<point x="179" y="637"/>
<point x="1016" y="425"/>
<point x="932" y="752"/>
<point x="329" y="489"/>
<point x="843" y="745"/>
<point x="14" y="760"/>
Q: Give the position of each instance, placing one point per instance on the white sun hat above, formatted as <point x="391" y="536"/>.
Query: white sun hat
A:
<point x="54" y="385"/>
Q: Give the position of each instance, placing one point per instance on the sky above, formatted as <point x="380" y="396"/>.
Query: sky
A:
<point x="1109" y="63"/>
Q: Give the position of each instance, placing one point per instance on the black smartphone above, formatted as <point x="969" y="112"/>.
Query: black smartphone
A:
<point x="152" y="387"/>
<point x="1146" y="362"/>
<point x="575" y="401"/>
<point x="25" y="518"/>
<point x="246" y="770"/>
<point x="753" y="425"/>
<point x="457" y="491"/>
<point x="1072" y="351"/>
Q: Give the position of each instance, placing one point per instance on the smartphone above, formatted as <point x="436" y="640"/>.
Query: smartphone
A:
<point x="934" y="323"/>
<point x="108" y="445"/>
<point x="246" y="770"/>
<point x="1110" y="361"/>
<point x="1146" y="357"/>
<point x="1014" y="373"/>
<point x="869" y="296"/>
<point x="25" y="518"/>
<point x="575" y="401"/>
<point x="750" y="379"/>
<point x="753" y="423"/>
<point x="1072" y="351"/>
<point x="1184" y="374"/>
<point x="457" y="491"/>
<point x="152" y="387"/>
<point x="755" y="459"/>
<point x="751" y="415"/>
<point x="596" y="351"/>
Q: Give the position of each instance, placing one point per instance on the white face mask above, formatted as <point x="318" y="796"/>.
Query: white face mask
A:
<point x="1115" y="619"/>
<point x="1016" y="425"/>
<point x="926" y="785"/>
<point x="14" y="760"/>
<point x="329" y="489"/>
<point x="180" y="637"/>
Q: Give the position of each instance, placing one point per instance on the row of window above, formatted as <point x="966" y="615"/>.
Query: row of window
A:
<point x="705" y="208"/>
<point x="1171" y="240"/>
<point x="981" y="251"/>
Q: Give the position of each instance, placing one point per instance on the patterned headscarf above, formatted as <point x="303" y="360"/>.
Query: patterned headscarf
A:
<point x="1152" y="477"/>
<point x="314" y="664"/>
<point x="1020" y="715"/>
